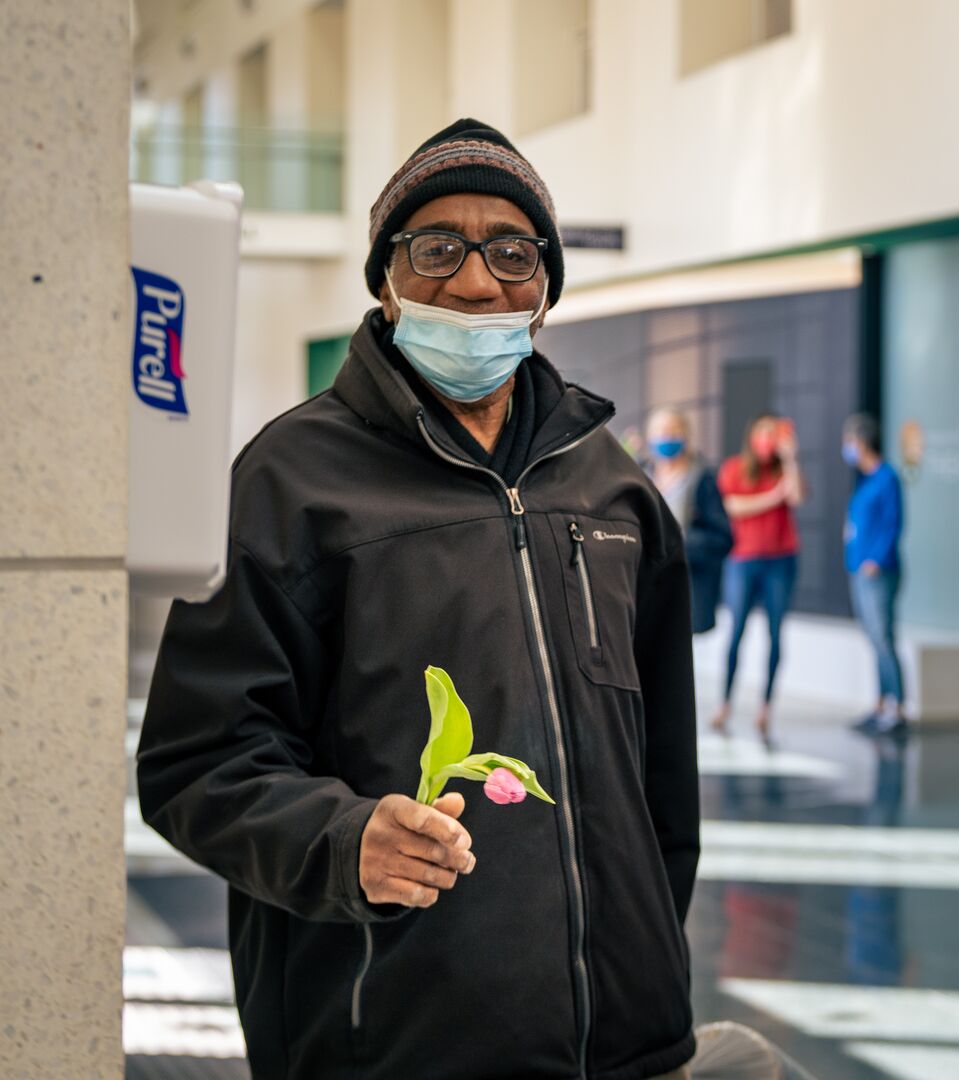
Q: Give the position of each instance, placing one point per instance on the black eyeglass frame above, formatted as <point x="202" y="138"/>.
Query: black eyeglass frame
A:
<point x="407" y="236"/>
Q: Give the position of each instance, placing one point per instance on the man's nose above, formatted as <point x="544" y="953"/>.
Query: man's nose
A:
<point x="473" y="281"/>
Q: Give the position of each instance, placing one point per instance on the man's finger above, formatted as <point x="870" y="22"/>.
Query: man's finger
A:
<point x="429" y="822"/>
<point x="409" y="893"/>
<point x="417" y="846"/>
<point x="422" y="873"/>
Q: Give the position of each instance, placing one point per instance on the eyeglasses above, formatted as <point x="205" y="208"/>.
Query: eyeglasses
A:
<point x="436" y="253"/>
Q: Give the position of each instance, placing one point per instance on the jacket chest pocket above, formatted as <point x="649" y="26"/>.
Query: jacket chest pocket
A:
<point x="600" y="563"/>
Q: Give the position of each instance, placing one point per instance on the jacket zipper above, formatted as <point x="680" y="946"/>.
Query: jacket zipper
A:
<point x="356" y="1004"/>
<point x="579" y="561"/>
<point x="519" y="530"/>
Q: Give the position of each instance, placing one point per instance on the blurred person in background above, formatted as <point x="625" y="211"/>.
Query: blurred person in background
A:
<point x="760" y="486"/>
<point x="690" y="491"/>
<point x="874" y="523"/>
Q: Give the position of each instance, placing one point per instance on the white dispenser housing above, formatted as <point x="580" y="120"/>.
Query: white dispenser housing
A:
<point x="185" y="253"/>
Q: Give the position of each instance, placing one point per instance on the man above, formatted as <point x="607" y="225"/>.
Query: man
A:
<point x="451" y="502"/>
<point x="873" y="527"/>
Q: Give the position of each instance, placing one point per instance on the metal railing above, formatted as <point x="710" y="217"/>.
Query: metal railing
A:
<point x="298" y="171"/>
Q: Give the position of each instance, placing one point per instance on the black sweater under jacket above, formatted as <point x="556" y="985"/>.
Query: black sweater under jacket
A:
<point x="364" y="546"/>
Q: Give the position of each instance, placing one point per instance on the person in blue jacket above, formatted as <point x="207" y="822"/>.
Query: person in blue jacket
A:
<point x="873" y="526"/>
<point x="690" y="492"/>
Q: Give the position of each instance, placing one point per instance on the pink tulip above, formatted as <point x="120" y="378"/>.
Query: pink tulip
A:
<point x="504" y="787"/>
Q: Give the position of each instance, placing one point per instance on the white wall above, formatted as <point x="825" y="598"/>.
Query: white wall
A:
<point x="274" y="302"/>
<point x="829" y="660"/>
<point x="836" y="129"/>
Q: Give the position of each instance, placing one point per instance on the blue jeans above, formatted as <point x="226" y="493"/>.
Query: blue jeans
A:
<point x="874" y="605"/>
<point x="769" y="581"/>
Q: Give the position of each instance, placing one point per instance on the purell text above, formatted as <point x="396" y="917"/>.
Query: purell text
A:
<point x="157" y="342"/>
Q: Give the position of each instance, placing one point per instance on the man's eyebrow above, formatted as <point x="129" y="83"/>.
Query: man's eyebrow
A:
<point x="444" y="226"/>
<point x="497" y="228"/>
<point x="506" y="228"/>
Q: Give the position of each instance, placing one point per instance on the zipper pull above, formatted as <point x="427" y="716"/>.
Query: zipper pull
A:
<point x="517" y="510"/>
<point x="578" y="539"/>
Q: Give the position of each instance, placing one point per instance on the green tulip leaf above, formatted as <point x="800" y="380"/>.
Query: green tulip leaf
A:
<point x="451" y="731"/>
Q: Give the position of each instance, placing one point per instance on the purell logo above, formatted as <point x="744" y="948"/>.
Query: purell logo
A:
<point x="157" y="341"/>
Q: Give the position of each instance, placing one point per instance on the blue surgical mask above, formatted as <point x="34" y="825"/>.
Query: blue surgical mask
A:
<point x="850" y="454"/>
<point x="667" y="448"/>
<point x="466" y="357"/>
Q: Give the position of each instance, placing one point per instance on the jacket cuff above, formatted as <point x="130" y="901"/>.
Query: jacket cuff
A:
<point x="348" y="834"/>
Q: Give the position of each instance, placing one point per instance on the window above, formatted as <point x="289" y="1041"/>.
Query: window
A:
<point x="551" y="62"/>
<point x="192" y="116"/>
<point x="711" y="30"/>
<point x="254" y="174"/>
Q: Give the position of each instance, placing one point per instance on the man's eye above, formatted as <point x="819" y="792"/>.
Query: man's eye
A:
<point x="513" y="253"/>
<point x="435" y="248"/>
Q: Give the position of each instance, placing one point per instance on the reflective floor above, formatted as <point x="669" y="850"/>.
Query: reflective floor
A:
<point x="824" y="915"/>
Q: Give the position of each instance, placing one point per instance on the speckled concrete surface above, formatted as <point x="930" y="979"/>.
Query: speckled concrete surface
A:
<point x="64" y="109"/>
<point x="62" y="695"/>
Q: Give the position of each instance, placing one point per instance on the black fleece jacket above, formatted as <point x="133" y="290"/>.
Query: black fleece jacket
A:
<point x="364" y="546"/>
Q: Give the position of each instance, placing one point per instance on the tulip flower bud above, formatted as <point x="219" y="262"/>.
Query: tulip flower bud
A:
<point x="504" y="787"/>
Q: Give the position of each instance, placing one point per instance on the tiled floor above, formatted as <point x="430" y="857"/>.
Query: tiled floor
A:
<point x="824" y="915"/>
<point x="825" y="910"/>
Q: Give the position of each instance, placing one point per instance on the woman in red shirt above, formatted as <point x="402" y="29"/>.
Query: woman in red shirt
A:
<point x="760" y="487"/>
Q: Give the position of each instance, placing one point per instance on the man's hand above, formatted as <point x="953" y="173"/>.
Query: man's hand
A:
<point x="409" y="851"/>
<point x="871" y="568"/>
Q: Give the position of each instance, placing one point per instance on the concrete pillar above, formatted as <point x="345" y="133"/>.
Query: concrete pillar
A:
<point x="64" y="116"/>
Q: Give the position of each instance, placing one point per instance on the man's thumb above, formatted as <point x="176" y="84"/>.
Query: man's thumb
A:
<point x="452" y="804"/>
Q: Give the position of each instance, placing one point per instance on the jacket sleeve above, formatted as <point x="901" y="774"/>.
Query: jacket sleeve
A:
<point x="882" y="536"/>
<point x="224" y="763"/>
<point x="664" y="660"/>
<point x="709" y="538"/>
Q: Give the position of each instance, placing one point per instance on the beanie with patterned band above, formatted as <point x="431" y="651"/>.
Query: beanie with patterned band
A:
<point x="466" y="158"/>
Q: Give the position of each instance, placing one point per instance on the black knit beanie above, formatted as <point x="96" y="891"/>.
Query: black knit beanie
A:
<point x="470" y="157"/>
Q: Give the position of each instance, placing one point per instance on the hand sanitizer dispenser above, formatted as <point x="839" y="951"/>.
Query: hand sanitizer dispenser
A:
<point x="185" y="253"/>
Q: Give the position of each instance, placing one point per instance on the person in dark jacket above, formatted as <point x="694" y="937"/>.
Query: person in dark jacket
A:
<point x="450" y="501"/>
<point x="690" y="491"/>
<point x="874" y="523"/>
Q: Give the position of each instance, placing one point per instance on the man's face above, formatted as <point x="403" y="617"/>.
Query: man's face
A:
<point x="472" y="289"/>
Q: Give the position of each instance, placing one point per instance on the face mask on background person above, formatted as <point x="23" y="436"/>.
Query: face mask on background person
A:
<point x="667" y="448"/>
<point x="850" y="454"/>
<point x="466" y="357"/>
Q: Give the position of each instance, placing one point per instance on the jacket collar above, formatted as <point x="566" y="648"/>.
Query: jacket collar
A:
<point x="373" y="388"/>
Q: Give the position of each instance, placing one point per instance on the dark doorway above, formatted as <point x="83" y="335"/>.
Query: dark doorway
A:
<point x="747" y="393"/>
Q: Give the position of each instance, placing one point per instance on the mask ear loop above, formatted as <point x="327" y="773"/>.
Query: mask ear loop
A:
<point x="393" y="296"/>
<point x="542" y="304"/>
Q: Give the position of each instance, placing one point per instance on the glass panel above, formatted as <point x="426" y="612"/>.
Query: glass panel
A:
<point x="921" y="390"/>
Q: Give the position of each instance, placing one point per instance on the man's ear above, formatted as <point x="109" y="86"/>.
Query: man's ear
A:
<point x="389" y="313"/>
